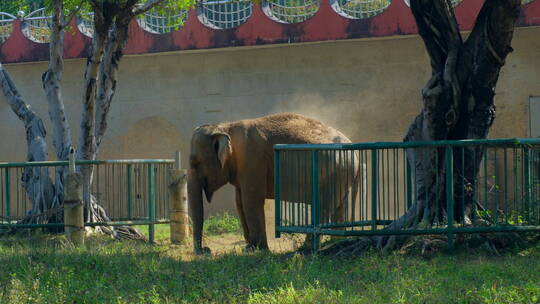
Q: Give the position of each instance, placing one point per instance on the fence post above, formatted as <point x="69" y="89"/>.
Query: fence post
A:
<point x="151" y="202"/>
<point x="450" y="195"/>
<point x="277" y="194"/>
<point x="129" y="191"/>
<point x="527" y="182"/>
<point x="8" y="195"/>
<point x="315" y="208"/>
<point x="374" y="188"/>
<point x="409" y="183"/>
<point x="178" y="202"/>
<point x="73" y="203"/>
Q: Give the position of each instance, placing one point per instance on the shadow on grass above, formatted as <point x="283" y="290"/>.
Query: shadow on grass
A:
<point x="107" y="271"/>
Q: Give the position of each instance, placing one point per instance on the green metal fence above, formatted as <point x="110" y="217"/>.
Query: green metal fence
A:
<point x="360" y="189"/>
<point x="132" y="192"/>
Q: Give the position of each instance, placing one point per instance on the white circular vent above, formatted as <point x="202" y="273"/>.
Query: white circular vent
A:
<point x="156" y="22"/>
<point x="290" y="11"/>
<point x="37" y="26"/>
<point x="359" y="9"/>
<point x="224" y="14"/>
<point x="85" y="24"/>
<point x="454" y="2"/>
<point x="6" y="26"/>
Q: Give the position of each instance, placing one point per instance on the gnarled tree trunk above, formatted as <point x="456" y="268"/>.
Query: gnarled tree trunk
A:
<point x="110" y="35"/>
<point x="111" y="21"/>
<point x="458" y="102"/>
<point x="36" y="181"/>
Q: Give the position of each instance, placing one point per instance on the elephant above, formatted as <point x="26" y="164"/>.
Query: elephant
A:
<point x="241" y="153"/>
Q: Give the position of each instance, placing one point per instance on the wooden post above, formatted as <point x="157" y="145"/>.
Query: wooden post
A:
<point x="73" y="203"/>
<point x="178" y="202"/>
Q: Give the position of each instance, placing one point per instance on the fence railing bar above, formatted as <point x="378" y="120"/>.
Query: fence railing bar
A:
<point x="450" y="195"/>
<point x="8" y="194"/>
<point x="396" y="145"/>
<point x="83" y="162"/>
<point x="374" y="188"/>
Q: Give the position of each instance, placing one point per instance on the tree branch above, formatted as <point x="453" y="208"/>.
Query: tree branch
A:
<point x="141" y="9"/>
<point x="73" y="14"/>
<point x="438" y="28"/>
<point x="35" y="131"/>
<point x="36" y="180"/>
<point x="115" y="44"/>
<point x="490" y="40"/>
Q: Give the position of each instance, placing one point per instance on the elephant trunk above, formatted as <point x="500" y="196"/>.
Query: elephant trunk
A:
<point x="196" y="210"/>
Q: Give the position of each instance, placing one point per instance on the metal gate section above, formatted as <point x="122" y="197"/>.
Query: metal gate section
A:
<point x="359" y="189"/>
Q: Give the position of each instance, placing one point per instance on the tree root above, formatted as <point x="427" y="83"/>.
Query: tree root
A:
<point x="429" y="245"/>
<point x="97" y="215"/>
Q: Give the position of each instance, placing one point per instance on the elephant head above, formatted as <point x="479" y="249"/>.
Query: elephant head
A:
<point x="208" y="171"/>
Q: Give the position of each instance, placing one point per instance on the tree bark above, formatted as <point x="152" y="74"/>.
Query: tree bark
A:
<point x="36" y="181"/>
<point x="108" y="76"/>
<point x="52" y="84"/>
<point x="458" y="103"/>
<point x="116" y="41"/>
<point x="87" y="139"/>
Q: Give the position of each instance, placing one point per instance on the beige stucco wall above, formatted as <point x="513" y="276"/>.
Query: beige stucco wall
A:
<point x="369" y="89"/>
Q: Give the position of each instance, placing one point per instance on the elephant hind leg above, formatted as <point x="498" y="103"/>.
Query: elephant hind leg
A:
<point x="241" y="214"/>
<point x="256" y="222"/>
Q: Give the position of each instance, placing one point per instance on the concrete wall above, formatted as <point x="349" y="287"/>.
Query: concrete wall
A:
<point x="369" y="89"/>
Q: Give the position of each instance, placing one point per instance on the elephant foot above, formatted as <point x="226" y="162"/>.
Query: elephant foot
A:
<point x="250" y="248"/>
<point x="203" y="251"/>
<point x="253" y="248"/>
<point x="307" y="247"/>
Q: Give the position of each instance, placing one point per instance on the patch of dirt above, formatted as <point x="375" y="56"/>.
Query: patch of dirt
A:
<point x="232" y="243"/>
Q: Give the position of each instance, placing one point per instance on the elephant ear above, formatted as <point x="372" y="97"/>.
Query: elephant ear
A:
<point x="222" y="146"/>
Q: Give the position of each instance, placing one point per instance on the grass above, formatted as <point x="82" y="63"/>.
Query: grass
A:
<point x="222" y="223"/>
<point x="47" y="269"/>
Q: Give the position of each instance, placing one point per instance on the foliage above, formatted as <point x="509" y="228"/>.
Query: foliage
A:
<point x="13" y="6"/>
<point x="27" y="6"/>
<point x="49" y="270"/>
<point x="222" y="223"/>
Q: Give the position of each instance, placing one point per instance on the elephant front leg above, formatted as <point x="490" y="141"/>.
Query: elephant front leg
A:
<point x="241" y="214"/>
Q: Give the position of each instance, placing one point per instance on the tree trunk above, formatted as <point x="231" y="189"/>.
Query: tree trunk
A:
<point x="36" y="181"/>
<point x="101" y="76"/>
<point x="458" y="103"/>
<point x="87" y="139"/>
<point x="52" y="83"/>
